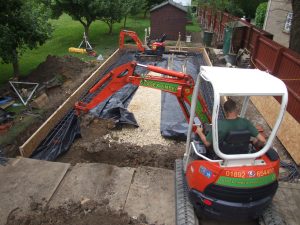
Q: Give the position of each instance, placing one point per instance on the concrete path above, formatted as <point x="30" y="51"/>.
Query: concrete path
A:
<point x="95" y="181"/>
<point x="287" y="202"/>
<point x="23" y="181"/>
<point x="143" y="190"/>
<point x="152" y="193"/>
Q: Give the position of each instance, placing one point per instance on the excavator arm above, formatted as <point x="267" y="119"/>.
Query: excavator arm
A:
<point x="134" y="36"/>
<point x="179" y="84"/>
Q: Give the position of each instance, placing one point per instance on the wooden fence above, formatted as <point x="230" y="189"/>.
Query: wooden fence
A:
<point x="266" y="54"/>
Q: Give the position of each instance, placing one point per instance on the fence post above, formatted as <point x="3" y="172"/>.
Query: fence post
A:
<point x="254" y="50"/>
<point x="277" y="62"/>
<point x="249" y="37"/>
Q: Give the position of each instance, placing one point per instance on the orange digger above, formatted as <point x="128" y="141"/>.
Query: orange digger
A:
<point x="156" y="48"/>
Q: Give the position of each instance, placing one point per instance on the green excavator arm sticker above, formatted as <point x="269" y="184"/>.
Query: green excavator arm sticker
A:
<point x="164" y="86"/>
<point x="199" y="111"/>
<point x="246" y="182"/>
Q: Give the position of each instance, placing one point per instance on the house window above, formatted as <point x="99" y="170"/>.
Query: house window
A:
<point x="288" y="22"/>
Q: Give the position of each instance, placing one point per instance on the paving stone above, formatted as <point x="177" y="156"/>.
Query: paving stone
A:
<point x="152" y="193"/>
<point x="24" y="181"/>
<point x="287" y="202"/>
<point x="96" y="181"/>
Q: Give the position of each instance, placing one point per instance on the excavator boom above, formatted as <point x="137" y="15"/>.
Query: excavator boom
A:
<point x="134" y="36"/>
<point x="177" y="83"/>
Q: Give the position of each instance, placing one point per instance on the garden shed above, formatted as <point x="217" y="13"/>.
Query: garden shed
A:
<point x="168" y="18"/>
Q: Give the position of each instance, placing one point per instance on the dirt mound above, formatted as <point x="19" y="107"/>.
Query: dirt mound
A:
<point x="79" y="213"/>
<point x="99" y="145"/>
<point x="66" y="66"/>
<point x="58" y="78"/>
<point x="125" y="155"/>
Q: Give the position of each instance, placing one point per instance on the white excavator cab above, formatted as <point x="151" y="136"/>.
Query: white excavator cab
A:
<point x="235" y="82"/>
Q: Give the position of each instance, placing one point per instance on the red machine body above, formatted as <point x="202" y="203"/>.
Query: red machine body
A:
<point x="157" y="48"/>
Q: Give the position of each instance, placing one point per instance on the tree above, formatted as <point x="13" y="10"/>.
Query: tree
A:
<point x="132" y="7"/>
<point x="112" y="12"/>
<point x="249" y="7"/>
<point x="23" y="24"/>
<point x="261" y="14"/>
<point x="149" y="4"/>
<point x="295" y="27"/>
<point x="84" y="11"/>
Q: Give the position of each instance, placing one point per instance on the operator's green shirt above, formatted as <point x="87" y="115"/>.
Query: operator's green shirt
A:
<point x="225" y="126"/>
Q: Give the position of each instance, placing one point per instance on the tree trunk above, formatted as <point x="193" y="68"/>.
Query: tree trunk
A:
<point x="110" y="27"/>
<point x="86" y="30"/>
<point x="145" y="13"/>
<point x="86" y="27"/>
<point x="295" y="27"/>
<point x="125" y="19"/>
<point x="15" y="63"/>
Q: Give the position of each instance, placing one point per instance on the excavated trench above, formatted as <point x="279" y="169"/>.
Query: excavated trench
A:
<point x="110" y="141"/>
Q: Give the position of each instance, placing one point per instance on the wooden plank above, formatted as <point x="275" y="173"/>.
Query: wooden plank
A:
<point x="188" y="49"/>
<point x="289" y="131"/>
<point x="33" y="142"/>
<point x="6" y="105"/>
<point x="206" y="57"/>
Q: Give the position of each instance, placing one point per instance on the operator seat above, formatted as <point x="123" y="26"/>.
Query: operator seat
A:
<point x="236" y="142"/>
<point x="162" y="38"/>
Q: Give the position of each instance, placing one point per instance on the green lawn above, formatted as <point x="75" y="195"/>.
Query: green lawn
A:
<point x="194" y="27"/>
<point x="68" y="33"/>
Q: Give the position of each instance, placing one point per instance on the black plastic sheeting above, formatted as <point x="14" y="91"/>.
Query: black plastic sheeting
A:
<point x="173" y="123"/>
<point x="115" y="107"/>
<point x="60" y="139"/>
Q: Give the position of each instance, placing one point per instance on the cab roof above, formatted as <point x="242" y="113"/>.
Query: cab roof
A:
<point x="242" y="82"/>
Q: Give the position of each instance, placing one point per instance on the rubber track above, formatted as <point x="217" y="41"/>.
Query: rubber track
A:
<point x="271" y="217"/>
<point x="184" y="210"/>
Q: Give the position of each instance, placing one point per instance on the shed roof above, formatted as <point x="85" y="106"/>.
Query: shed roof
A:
<point x="179" y="6"/>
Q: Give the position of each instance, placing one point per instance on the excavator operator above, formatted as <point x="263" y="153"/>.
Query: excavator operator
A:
<point x="232" y="122"/>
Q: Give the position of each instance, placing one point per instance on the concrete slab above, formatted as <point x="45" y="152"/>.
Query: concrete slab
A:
<point x="95" y="181"/>
<point x="287" y="202"/>
<point x="27" y="180"/>
<point x="152" y="193"/>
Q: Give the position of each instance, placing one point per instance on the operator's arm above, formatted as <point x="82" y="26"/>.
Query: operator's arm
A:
<point x="202" y="136"/>
<point x="254" y="133"/>
<point x="261" y="139"/>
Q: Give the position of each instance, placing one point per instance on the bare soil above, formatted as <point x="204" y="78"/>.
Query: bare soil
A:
<point x="79" y="213"/>
<point x="58" y="77"/>
<point x="99" y="145"/>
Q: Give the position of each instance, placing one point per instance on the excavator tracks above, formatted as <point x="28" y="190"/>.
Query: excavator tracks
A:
<point x="184" y="210"/>
<point x="271" y="217"/>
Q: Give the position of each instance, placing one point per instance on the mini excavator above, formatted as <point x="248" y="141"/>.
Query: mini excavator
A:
<point x="236" y="182"/>
<point x="156" y="48"/>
